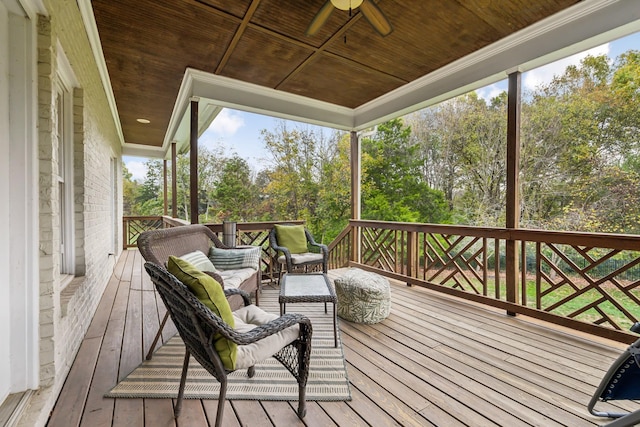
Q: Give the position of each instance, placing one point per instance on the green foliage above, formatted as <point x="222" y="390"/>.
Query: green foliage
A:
<point x="146" y="198"/>
<point x="235" y="193"/>
<point x="393" y="188"/>
<point x="579" y="159"/>
<point x="129" y="191"/>
<point x="308" y="179"/>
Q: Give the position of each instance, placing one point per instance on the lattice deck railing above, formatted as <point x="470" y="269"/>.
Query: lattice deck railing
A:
<point x="573" y="279"/>
<point x="586" y="281"/>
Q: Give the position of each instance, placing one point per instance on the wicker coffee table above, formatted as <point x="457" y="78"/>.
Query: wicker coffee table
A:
<point x="310" y="287"/>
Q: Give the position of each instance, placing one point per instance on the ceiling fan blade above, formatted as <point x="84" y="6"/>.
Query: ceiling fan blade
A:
<point x="321" y="17"/>
<point x="376" y="17"/>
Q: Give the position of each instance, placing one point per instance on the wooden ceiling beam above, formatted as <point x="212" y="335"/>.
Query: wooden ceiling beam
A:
<point x="322" y="50"/>
<point x="238" y="35"/>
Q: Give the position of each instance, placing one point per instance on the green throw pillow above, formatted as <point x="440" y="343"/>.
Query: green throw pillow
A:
<point x="210" y="293"/>
<point x="292" y="237"/>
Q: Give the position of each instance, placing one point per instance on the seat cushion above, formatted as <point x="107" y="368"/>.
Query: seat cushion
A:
<point x="303" y="258"/>
<point x="234" y="278"/>
<point x="211" y="294"/>
<point x="292" y="237"/>
<point x="250" y="317"/>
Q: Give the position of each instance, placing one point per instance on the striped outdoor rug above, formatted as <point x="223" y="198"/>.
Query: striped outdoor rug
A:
<point x="160" y="377"/>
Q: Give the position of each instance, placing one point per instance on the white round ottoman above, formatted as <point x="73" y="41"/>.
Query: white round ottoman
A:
<point x="363" y="297"/>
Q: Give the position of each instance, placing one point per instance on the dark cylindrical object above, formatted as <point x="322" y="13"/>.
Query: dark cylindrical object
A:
<point x="229" y="233"/>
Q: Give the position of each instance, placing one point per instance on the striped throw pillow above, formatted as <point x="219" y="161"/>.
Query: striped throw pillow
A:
<point x="199" y="260"/>
<point x="235" y="259"/>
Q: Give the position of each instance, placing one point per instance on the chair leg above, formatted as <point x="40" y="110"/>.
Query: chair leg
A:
<point x="183" y="380"/>
<point x="628" y="420"/>
<point x="302" y="401"/>
<point x="280" y="273"/>
<point x="258" y="290"/>
<point x="158" y="335"/>
<point x="221" y="400"/>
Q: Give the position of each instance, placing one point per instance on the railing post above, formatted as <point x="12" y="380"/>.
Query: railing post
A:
<point x="412" y="254"/>
<point x="193" y="159"/>
<point x="512" y="199"/>
<point x="165" y="200"/>
<point x="174" y="181"/>
<point x="125" y="233"/>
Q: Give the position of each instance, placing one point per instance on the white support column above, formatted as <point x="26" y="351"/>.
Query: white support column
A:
<point x="19" y="292"/>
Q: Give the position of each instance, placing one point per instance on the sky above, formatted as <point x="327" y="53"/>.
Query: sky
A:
<point x="239" y="132"/>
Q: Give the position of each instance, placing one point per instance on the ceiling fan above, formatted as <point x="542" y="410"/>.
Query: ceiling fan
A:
<point x="369" y="9"/>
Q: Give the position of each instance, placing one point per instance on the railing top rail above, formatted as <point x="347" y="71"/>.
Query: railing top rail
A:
<point x="253" y="226"/>
<point x="493" y="232"/>
<point x="141" y="217"/>
<point x="345" y="231"/>
<point x="608" y="240"/>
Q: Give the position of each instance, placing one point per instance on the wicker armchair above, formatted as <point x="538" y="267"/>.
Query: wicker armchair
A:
<point x="157" y="245"/>
<point x="197" y="326"/>
<point x="301" y="261"/>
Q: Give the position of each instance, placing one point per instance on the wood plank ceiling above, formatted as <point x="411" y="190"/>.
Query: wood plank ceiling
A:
<point x="148" y="44"/>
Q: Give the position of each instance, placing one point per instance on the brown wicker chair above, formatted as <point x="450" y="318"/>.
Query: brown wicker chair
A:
<point x="157" y="245"/>
<point x="197" y="326"/>
<point x="298" y="262"/>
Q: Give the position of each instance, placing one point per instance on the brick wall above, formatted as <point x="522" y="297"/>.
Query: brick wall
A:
<point x="65" y="313"/>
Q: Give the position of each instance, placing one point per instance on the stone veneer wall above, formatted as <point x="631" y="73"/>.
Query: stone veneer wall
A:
<point x="65" y="314"/>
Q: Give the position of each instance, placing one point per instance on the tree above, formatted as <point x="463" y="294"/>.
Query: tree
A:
<point x="305" y="164"/>
<point x="579" y="143"/>
<point x="392" y="185"/>
<point x="334" y="190"/>
<point x="129" y="192"/>
<point x="235" y="194"/>
<point x="150" y="196"/>
<point x="288" y="170"/>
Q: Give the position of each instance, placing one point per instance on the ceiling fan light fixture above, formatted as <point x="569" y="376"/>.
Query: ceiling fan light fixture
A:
<point x="346" y="4"/>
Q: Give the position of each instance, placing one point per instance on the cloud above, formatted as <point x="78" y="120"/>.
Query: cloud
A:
<point x="542" y="75"/>
<point x="226" y="123"/>
<point x="489" y="92"/>
<point x="137" y="169"/>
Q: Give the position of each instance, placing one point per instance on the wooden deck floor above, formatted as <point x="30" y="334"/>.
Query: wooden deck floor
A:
<point x="435" y="361"/>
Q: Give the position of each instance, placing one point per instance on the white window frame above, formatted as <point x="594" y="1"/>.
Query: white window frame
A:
<point x="65" y="82"/>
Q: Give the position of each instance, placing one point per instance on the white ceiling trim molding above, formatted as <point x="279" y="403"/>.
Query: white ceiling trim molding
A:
<point x="224" y="92"/>
<point x="179" y="112"/>
<point x="89" y="20"/>
<point x="139" y="150"/>
<point x="231" y="93"/>
<point x="585" y="25"/>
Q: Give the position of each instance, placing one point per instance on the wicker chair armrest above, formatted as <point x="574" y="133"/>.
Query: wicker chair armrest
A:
<point x="218" y="278"/>
<point x="234" y="291"/>
<point x="324" y="249"/>
<point x="310" y="238"/>
<point x="273" y="242"/>
<point x="282" y="249"/>
<point x="285" y="251"/>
